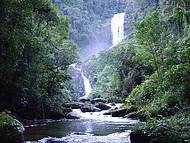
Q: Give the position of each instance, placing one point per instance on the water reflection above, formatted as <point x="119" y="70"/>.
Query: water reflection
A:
<point x="66" y="127"/>
<point x="88" y="126"/>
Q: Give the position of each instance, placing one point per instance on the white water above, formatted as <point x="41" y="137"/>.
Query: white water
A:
<point x="86" y="82"/>
<point x="99" y="116"/>
<point x="87" y="86"/>
<point x="117" y="28"/>
<point x="88" y="138"/>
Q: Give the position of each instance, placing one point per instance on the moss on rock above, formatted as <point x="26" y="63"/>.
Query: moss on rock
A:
<point x="11" y="130"/>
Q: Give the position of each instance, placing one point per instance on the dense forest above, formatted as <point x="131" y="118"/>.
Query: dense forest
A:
<point x="149" y="71"/>
<point x="89" y="22"/>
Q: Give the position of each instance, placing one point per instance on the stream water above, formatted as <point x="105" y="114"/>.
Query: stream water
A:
<point x="90" y="128"/>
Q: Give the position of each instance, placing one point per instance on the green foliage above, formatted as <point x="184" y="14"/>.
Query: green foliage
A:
<point x="152" y="36"/>
<point x="107" y="85"/>
<point x="173" y="129"/>
<point x="6" y="121"/>
<point x="116" y="72"/>
<point x="34" y="54"/>
<point x="141" y="94"/>
<point x="87" y="17"/>
<point x="11" y="130"/>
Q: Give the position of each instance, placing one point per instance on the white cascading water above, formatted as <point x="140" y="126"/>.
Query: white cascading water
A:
<point x="87" y="86"/>
<point x="117" y="28"/>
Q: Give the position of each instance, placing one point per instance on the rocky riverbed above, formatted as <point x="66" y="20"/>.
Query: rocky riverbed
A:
<point x="91" y="125"/>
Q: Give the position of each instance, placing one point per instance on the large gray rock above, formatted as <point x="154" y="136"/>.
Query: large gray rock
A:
<point x="73" y="115"/>
<point x="98" y="100"/>
<point x="11" y="130"/>
<point x="90" y="109"/>
<point x="74" y="105"/>
<point x="119" y="112"/>
<point x="102" y="106"/>
<point x="107" y="113"/>
<point x="83" y="100"/>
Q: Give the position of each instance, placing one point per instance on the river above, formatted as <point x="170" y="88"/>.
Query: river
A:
<point x="90" y="128"/>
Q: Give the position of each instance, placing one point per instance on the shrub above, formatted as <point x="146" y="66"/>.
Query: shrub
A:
<point x="174" y="129"/>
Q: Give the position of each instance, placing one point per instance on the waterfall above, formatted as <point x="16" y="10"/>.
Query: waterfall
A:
<point x="117" y="28"/>
<point x="86" y="82"/>
<point x="87" y="86"/>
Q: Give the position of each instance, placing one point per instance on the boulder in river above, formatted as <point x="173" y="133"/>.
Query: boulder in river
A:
<point x="83" y="100"/>
<point x="73" y="115"/>
<point x="98" y="100"/>
<point x="11" y="130"/>
<point x="88" y="107"/>
<point x="119" y="112"/>
<point x="107" y="113"/>
<point x="102" y="106"/>
<point x="74" y="105"/>
<point x="91" y="109"/>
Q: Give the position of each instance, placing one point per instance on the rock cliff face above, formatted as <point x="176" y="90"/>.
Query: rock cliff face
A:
<point x="76" y="83"/>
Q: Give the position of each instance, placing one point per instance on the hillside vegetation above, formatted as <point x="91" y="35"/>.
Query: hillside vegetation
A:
<point x="150" y="70"/>
<point x="34" y="56"/>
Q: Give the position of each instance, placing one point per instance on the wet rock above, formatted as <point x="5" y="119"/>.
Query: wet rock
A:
<point x="88" y="107"/>
<point x="11" y="130"/>
<point x="113" y="104"/>
<point x="74" y="105"/>
<point x="119" y="112"/>
<point x="79" y="133"/>
<point x="107" y="113"/>
<point x="98" y="100"/>
<point x="102" y="106"/>
<point x="73" y="115"/>
<point x="83" y="100"/>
